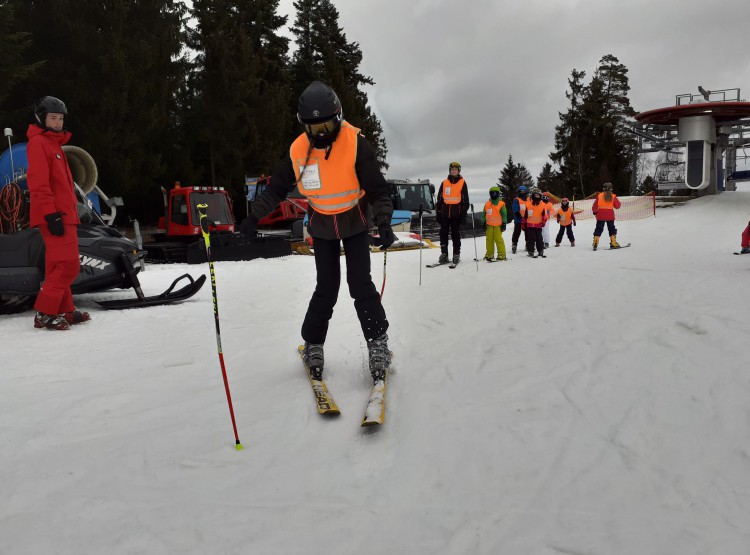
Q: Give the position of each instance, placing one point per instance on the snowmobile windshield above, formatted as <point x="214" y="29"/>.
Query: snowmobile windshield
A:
<point x="218" y="209"/>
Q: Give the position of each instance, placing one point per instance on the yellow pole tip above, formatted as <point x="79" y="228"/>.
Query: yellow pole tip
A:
<point x="239" y="447"/>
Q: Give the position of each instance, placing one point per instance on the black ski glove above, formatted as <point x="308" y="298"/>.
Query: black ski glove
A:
<point x="386" y="236"/>
<point x="55" y="224"/>
<point x="502" y="227"/>
<point x="249" y="227"/>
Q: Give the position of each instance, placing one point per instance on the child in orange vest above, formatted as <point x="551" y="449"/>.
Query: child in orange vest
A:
<point x="567" y="220"/>
<point x="534" y="214"/>
<point x="495" y="217"/>
<point x="604" y="209"/>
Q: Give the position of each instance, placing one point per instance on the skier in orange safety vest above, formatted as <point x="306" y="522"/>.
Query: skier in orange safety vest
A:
<point x="336" y="168"/>
<point x="534" y="216"/>
<point x="604" y="209"/>
<point x="450" y="211"/>
<point x="567" y="220"/>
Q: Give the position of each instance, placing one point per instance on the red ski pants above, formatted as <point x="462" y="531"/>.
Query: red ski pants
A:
<point x="61" y="267"/>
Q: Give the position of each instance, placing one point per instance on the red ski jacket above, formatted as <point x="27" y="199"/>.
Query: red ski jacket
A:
<point x="603" y="210"/>
<point x="49" y="179"/>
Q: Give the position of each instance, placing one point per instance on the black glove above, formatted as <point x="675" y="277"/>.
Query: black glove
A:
<point x="249" y="227"/>
<point x="502" y="227"/>
<point x="386" y="236"/>
<point x="55" y="224"/>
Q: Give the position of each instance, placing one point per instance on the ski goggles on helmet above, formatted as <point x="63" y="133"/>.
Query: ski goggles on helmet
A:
<point x="322" y="128"/>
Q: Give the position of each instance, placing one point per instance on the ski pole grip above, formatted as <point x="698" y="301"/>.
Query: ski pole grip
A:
<point x="202" y="215"/>
<point x="421" y="209"/>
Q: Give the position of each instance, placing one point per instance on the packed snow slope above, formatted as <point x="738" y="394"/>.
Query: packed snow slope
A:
<point x="587" y="403"/>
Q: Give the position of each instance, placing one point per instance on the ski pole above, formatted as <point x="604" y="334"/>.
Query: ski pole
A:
<point x="385" y="260"/>
<point x="474" y="233"/>
<point x="420" y="244"/>
<point x="207" y="240"/>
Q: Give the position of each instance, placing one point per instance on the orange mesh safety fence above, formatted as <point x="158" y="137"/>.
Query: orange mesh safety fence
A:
<point x="633" y="208"/>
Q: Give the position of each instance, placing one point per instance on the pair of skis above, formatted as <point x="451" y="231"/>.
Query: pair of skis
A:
<point x="451" y="265"/>
<point x="375" y="411"/>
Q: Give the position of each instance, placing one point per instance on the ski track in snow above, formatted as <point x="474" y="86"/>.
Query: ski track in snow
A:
<point x="582" y="404"/>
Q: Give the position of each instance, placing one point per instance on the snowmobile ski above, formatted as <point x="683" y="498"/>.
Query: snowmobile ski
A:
<point x="167" y="297"/>
<point x="375" y="411"/>
<point x="323" y="398"/>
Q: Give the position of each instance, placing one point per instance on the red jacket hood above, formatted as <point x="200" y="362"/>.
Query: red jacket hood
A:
<point x="60" y="137"/>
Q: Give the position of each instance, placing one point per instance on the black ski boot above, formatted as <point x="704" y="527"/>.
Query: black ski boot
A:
<point x="514" y="247"/>
<point x="380" y="357"/>
<point x="313" y="357"/>
<point x="443" y="258"/>
<point x="456" y="259"/>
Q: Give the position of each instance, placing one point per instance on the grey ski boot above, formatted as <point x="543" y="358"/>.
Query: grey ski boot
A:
<point x="313" y="357"/>
<point x="380" y="357"/>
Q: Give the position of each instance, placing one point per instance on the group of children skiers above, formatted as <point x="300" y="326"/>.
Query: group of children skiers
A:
<point x="532" y="212"/>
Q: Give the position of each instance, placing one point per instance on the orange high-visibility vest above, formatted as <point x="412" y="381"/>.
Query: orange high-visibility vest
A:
<point x="534" y="214"/>
<point x="331" y="186"/>
<point x="452" y="191"/>
<point x="566" y="216"/>
<point x="493" y="215"/>
<point x="603" y="204"/>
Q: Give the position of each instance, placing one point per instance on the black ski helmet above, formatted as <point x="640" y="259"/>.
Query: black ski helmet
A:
<point x="48" y="105"/>
<point x="607" y="186"/>
<point x="318" y="104"/>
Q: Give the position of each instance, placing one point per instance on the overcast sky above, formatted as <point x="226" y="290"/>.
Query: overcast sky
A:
<point x="476" y="80"/>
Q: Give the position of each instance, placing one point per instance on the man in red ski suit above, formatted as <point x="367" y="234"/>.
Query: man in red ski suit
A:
<point x="53" y="210"/>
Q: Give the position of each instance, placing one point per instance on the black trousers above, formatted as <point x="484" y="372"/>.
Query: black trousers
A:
<point x="454" y="226"/>
<point x="534" y="237"/>
<point x="366" y="297"/>
<point x="516" y="232"/>
<point x="565" y="229"/>
<point x="600" y="227"/>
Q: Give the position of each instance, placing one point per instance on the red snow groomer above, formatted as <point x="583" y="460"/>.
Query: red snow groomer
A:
<point x="287" y="218"/>
<point x="178" y="237"/>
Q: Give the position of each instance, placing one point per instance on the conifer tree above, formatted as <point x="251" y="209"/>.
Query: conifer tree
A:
<point x="238" y="114"/>
<point x="14" y="69"/>
<point x="113" y="63"/>
<point x="549" y="180"/>
<point x="324" y="54"/>
<point x="524" y="177"/>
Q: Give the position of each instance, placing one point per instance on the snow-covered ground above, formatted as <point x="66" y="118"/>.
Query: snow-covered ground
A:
<point x="589" y="403"/>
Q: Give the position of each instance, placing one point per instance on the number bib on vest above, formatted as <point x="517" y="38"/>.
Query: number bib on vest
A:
<point x="310" y="176"/>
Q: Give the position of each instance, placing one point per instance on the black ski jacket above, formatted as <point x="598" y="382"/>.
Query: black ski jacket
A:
<point x="375" y="205"/>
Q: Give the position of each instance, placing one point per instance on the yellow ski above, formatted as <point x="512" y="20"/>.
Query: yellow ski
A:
<point x="323" y="398"/>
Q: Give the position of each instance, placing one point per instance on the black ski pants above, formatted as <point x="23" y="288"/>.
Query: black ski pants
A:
<point x="366" y="297"/>
<point x="565" y="229"/>
<point x="534" y="237"/>
<point x="600" y="227"/>
<point x="454" y="226"/>
<point x="516" y="232"/>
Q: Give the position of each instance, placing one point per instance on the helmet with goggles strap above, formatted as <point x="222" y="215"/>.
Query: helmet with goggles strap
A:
<point x="454" y="165"/>
<point x="319" y="111"/>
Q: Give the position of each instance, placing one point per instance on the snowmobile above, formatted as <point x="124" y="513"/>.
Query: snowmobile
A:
<point x="108" y="260"/>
